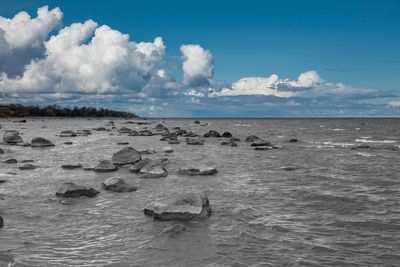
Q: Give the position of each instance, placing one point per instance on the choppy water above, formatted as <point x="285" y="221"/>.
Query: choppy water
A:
<point x="340" y="207"/>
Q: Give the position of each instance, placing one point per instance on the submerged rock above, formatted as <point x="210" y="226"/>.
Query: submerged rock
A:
<point x="293" y="140"/>
<point x="174" y="229"/>
<point x="184" y="207"/>
<point x="115" y="184"/>
<point x="67" y="133"/>
<point x="127" y="155"/>
<point x="105" y="166"/>
<point x="27" y="167"/>
<point x="74" y="190"/>
<point x="41" y="142"/>
<point x="252" y="138"/>
<point x="12" y="137"/>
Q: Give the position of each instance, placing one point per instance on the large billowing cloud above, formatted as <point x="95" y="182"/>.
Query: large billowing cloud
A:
<point x="42" y="62"/>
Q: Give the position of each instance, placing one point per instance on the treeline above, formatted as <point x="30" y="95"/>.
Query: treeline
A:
<point x="17" y="110"/>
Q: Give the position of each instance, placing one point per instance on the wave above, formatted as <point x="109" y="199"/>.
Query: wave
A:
<point x="375" y="141"/>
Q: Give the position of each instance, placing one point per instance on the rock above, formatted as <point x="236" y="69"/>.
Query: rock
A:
<point x="73" y="190"/>
<point x="226" y="135"/>
<point x="159" y="127"/>
<point x="133" y="133"/>
<point x="67" y="133"/>
<point x="288" y="168"/>
<point x="153" y="171"/>
<point x="145" y="133"/>
<point x="195" y="142"/>
<point x="41" y="142"/>
<point x="12" y="137"/>
<point x="10" y="161"/>
<point x="1" y="151"/>
<point x="99" y="129"/>
<point x="174" y="229"/>
<point x="196" y="122"/>
<point x="212" y="133"/>
<point x="123" y="130"/>
<point x="184" y="207"/>
<point x="174" y="142"/>
<point x="262" y="148"/>
<point x="127" y="155"/>
<point x="361" y="147"/>
<point x="148" y="151"/>
<point x="234" y="139"/>
<point x="252" y="138"/>
<point x="68" y="143"/>
<point x="71" y="166"/>
<point x="224" y="143"/>
<point x="27" y="161"/>
<point x="293" y="140"/>
<point x="1" y="222"/>
<point x="167" y="149"/>
<point x="261" y="143"/>
<point x="83" y="132"/>
<point x="27" y="167"/>
<point x="123" y="143"/>
<point x="23" y="144"/>
<point x="88" y="168"/>
<point x="115" y="184"/>
<point x="139" y="165"/>
<point x="233" y="144"/>
<point x="190" y="134"/>
<point x="105" y="166"/>
<point x="196" y="171"/>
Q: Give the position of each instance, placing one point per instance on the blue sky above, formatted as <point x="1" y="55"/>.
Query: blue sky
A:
<point x="354" y="43"/>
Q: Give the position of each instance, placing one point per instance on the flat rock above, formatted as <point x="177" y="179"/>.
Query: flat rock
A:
<point x="10" y="161"/>
<point x="167" y="149"/>
<point x="185" y="207"/>
<point x="116" y="184"/>
<point x="71" y="166"/>
<point x="197" y="171"/>
<point x="41" y="142"/>
<point x="261" y="143"/>
<point x="73" y="190"/>
<point x="153" y="171"/>
<point x="27" y="167"/>
<point x="127" y="155"/>
<point x="148" y="151"/>
<point x="105" y="166"/>
<point x="67" y="133"/>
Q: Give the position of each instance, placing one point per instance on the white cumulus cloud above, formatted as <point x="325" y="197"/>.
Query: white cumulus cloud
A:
<point x="197" y="66"/>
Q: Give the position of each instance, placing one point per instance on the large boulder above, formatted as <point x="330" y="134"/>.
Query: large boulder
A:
<point x="127" y="155"/>
<point x="153" y="171"/>
<point x="105" y="166"/>
<point x="185" y="207"/>
<point x="115" y="184"/>
<point x="252" y="138"/>
<point x="67" y="133"/>
<point x="73" y="190"/>
<point x="41" y="142"/>
<point x="12" y="137"/>
<point x="212" y="133"/>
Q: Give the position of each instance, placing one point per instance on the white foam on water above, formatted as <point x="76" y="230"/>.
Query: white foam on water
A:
<point x="375" y="141"/>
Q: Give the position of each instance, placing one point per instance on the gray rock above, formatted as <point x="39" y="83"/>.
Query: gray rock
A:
<point x="12" y="137"/>
<point x="71" y="166"/>
<point x="123" y="130"/>
<point x="27" y="167"/>
<point x="68" y="143"/>
<point x="208" y="171"/>
<point x="293" y="140"/>
<point x="27" y="161"/>
<point x="226" y="135"/>
<point x="261" y="143"/>
<point x="1" y="222"/>
<point x="148" y="151"/>
<point x="145" y="133"/>
<point x="153" y="171"/>
<point x="105" y="166"/>
<point x="139" y="165"/>
<point x="73" y="190"/>
<point x="115" y="184"/>
<point x="127" y="155"/>
<point x="252" y="138"/>
<point x="212" y="133"/>
<point x="1" y="151"/>
<point x="10" y="161"/>
<point x="196" y="122"/>
<point x="197" y="171"/>
<point x="184" y="207"/>
<point x="167" y="149"/>
<point x="174" y="142"/>
<point x="67" y="133"/>
<point x="41" y="142"/>
<point x="195" y="142"/>
<point x="234" y="139"/>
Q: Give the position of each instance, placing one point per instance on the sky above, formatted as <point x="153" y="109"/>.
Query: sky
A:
<point x="221" y="58"/>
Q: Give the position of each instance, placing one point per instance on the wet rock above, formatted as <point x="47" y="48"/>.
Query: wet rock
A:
<point x="123" y="143"/>
<point x="99" y="129"/>
<point x="167" y="149"/>
<point x="10" y="161"/>
<point x="153" y="171"/>
<point x="139" y="165"/>
<point x="23" y="144"/>
<point x="73" y="190"/>
<point x="197" y="171"/>
<point x="261" y="143"/>
<point x="133" y="133"/>
<point x="27" y="161"/>
<point x="361" y="147"/>
<point x="41" y="142"/>
<point x="148" y="151"/>
<point x="127" y="155"/>
<point x="190" y="134"/>
<point x="212" y="133"/>
<point x="234" y="139"/>
<point x="123" y="130"/>
<point x="252" y="138"/>
<point x="88" y="168"/>
<point x="224" y="143"/>
<point x="1" y="222"/>
<point x="184" y="207"/>
<point x="84" y="132"/>
<point x="174" y="142"/>
<point x="174" y="229"/>
<point x="195" y="142"/>
<point x="1" y="151"/>
<point x="293" y="140"/>
<point x="226" y="135"/>
<point x="67" y="133"/>
<point x="68" y="143"/>
<point x="288" y="168"/>
<point x="27" y="167"/>
<point x="159" y="127"/>
<point x="12" y="137"/>
<point x="145" y="133"/>
<point x="233" y="144"/>
<point x="196" y="122"/>
<point x="71" y="166"/>
<point x="115" y="184"/>
<point x="105" y="166"/>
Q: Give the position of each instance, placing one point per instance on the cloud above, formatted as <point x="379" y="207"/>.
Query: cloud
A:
<point x="22" y="38"/>
<point x="394" y="103"/>
<point x="197" y="65"/>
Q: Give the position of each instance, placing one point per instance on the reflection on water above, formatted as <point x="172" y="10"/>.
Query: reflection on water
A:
<point x="312" y="203"/>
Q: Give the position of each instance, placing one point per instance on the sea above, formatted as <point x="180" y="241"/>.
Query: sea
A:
<point x="330" y="199"/>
